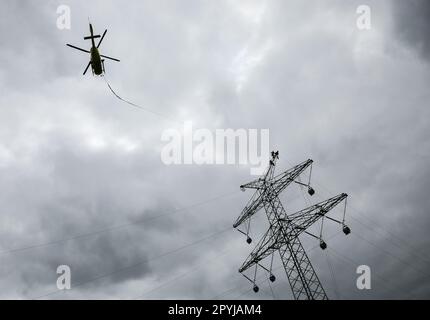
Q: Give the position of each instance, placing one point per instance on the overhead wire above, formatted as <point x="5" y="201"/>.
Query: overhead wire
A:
<point x="388" y="252"/>
<point x="354" y="263"/>
<point x="390" y="235"/>
<point x="141" y="262"/>
<point x="377" y="226"/>
<point x="271" y="289"/>
<point x="396" y="244"/>
<point x="183" y="274"/>
<point x="422" y="258"/>
<point x="115" y="227"/>
<point x="333" y="278"/>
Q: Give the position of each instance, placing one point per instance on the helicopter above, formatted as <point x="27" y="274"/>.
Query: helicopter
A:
<point x="96" y="59"/>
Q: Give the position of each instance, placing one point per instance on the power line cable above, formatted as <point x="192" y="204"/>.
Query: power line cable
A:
<point x="386" y="238"/>
<point x="419" y="256"/>
<point x="388" y="252"/>
<point x="335" y="288"/>
<point x="182" y="275"/>
<point x="271" y="289"/>
<point x="115" y="227"/>
<point x="354" y="263"/>
<point x="144" y="261"/>
<point x="387" y="232"/>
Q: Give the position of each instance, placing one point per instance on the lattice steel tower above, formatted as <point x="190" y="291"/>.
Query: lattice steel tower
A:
<point x="284" y="230"/>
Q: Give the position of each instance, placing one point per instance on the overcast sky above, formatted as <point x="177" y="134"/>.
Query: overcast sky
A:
<point x="82" y="182"/>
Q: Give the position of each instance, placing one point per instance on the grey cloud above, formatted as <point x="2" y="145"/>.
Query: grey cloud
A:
<point x="412" y="24"/>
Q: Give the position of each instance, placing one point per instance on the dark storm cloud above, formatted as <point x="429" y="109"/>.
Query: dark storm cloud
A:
<point x="412" y="24"/>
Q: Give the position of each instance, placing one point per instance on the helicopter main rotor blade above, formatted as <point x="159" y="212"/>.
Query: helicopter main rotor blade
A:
<point x="89" y="63"/>
<point x="104" y="33"/>
<point x="109" y="58"/>
<point x="77" y="48"/>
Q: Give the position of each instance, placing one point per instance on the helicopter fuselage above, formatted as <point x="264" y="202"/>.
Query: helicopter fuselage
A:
<point x="96" y="62"/>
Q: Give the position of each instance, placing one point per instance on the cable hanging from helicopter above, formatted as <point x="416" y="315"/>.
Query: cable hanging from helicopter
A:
<point x="98" y="68"/>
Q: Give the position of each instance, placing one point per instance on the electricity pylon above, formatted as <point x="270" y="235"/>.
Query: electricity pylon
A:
<point x="284" y="230"/>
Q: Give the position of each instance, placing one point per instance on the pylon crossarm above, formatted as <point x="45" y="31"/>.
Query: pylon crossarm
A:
<point x="253" y="205"/>
<point x="303" y="219"/>
<point x="281" y="181"/>
<point x="255" y="184"/>
<point x="266" y="246"/>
